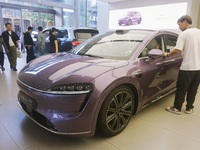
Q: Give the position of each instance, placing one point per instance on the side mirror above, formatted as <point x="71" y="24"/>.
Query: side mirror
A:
<point x="155" y="53"/>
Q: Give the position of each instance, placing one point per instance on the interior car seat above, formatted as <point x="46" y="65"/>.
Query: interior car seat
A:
<point x="152" y="45"/>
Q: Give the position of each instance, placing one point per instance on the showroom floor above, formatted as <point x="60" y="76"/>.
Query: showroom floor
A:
<point x="151" y="129"/>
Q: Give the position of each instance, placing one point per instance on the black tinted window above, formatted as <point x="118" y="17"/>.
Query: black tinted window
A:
<point x="62" y="34"/>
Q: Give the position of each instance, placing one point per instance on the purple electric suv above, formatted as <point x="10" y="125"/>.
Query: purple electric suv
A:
<point x="99" y="84"/>
<point x="132" y="17"/>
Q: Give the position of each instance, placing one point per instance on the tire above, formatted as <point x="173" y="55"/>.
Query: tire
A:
<point x="139" y="20"/>
<point x="116" y="111"/>
<point x="129" y="22"/>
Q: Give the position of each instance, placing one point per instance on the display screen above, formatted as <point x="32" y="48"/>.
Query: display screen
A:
<point x="150" y="17"/>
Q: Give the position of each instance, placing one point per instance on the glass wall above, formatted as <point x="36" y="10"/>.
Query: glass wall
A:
<point x="46" y="20"/>
<point x="81" y="13"/>
<point x="24" y="3"/>
<point x="36" y="19"/>
<point x="68" y="2"/>
<point x="88" y="13"/>
<point x="30" y="19"/>
<point x="21" y="17"/>
<point x="12" y="16"/>
<point x="68" y="17"/>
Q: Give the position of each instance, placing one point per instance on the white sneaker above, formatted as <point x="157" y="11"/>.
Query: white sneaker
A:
<point x="189" y="111"/>
<point x="173" y="110"/>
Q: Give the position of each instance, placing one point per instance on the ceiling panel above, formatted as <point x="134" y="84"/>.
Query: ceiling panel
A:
<point x="112" y="1"/>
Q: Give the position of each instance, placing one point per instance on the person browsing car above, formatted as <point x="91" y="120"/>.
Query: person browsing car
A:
<point x="53" y="41"/>
<point x="188" y="44"/>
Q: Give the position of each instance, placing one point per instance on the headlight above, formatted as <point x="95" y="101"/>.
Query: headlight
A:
<point x="79" y="88"/>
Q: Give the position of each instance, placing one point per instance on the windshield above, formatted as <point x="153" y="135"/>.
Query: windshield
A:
<point x="113" y="45"/>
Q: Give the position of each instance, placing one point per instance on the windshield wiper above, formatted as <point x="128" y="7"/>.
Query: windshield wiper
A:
<point x="90" y="55"/>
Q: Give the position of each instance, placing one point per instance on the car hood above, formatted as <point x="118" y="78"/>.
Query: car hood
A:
<point x="55" y="69"/>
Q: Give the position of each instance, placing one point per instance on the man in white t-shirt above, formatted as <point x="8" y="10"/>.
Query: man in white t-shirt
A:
<point x="188" y="44"/>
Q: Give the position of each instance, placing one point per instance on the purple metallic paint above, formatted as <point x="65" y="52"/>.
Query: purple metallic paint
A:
<point x="67" y="107"/>
<point x="77" y="114"/>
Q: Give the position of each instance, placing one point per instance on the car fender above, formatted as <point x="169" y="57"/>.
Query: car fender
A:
<point x="108" y="87"/>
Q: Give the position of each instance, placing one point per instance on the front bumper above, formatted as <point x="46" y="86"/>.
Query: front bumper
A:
<point x="60" y="114"/>
<point x="122" y="22"/>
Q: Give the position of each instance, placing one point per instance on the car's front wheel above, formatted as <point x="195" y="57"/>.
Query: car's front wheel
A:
<point x="139" y="20"/>
<point x="129" y="22"/>
<point x="116" y="111"/>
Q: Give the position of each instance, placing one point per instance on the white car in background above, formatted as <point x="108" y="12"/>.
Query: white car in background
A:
<point x="69" y="37"/>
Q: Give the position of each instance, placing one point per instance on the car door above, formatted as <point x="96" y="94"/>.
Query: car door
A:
<point x="150" y="70"/>
<point x="171" y="64"/>
<point x="159" y="75"/>
<point x="134" y="17"/>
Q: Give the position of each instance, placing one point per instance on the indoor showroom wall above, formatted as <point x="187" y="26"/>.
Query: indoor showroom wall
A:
<point x="104" y="8"/>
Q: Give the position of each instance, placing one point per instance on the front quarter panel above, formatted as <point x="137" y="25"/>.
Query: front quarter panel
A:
<point x="107" y="82"/>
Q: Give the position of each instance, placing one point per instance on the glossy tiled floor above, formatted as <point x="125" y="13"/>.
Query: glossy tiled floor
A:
<point x="151" y="129"/>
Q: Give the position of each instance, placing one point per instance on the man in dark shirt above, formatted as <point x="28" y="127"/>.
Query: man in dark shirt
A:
<point x="28" y="42"/>
<point x="11" y="39"/>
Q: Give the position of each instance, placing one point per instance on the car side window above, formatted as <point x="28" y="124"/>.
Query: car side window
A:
<point x="170" y="42"/>
<point x="155" y="43"/>
<point x="62" y="34"/>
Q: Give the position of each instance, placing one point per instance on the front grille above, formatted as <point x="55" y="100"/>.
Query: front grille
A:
<point x="29" y="108"/>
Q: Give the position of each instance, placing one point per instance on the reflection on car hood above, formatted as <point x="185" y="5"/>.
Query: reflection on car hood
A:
<point x="65" y="68"/>
<point x="124" y="18"/>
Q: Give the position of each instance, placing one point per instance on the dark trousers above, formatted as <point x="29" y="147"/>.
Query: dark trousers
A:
<point x="12" y="56"/>
<point x="30" y="55"/>
<point x="1" y="58"/>
<point x="187" y="86"/>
